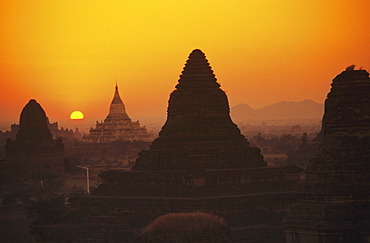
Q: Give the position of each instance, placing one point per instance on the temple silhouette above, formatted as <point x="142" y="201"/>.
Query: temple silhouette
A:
<point x="334" y="198"/>
<point x="117" y="126"/>
<point x="200" y="162"/>
<point x="34" y="150"/>
<point x="199" y="133"/>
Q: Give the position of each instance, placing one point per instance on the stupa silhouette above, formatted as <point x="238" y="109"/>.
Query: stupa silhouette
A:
<point x="334" y="204"/>
<point x="34" y="151"/>
<point x="199" y="133"/>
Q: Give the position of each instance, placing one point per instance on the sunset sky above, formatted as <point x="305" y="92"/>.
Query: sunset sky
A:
<point x="68" y="54"/>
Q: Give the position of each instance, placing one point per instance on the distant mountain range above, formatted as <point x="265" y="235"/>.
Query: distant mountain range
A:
<point x="303" y="110"/>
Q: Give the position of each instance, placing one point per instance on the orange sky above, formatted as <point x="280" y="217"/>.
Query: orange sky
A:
<point x="68" y="54"/>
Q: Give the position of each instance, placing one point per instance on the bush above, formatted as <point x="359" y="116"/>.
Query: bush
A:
<point x="186" y="227"/>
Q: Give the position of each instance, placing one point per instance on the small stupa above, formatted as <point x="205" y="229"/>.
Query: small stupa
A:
<point x="118" y="126"/>
<point x="34" y="151"/>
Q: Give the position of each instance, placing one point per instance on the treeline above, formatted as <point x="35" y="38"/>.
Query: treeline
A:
<point x="282" y="144"/>
<point x="279" y="139"/>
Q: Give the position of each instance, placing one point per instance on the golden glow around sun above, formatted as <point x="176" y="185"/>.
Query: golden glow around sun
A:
<point x="76" y="115"/>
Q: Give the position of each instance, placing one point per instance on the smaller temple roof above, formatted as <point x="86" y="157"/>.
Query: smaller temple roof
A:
<point x="33" y="123"/>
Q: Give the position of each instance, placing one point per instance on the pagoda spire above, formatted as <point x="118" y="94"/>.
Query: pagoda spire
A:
<point x="117" y="108"/>
<point x="197" y="72"/>
<point x="198" y="92"/>
<point x="116" y="98"/>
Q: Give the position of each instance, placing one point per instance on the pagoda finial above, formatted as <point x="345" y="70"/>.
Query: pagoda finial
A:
<point x="116" y="84"/>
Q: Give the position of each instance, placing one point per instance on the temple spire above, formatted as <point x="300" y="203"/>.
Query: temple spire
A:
<point x="116" y="98"/>
<point x="197" y="72"/>
<point x="117" y="108"/>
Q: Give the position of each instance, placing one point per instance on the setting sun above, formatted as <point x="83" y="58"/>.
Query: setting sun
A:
<point x="76" y="115"/>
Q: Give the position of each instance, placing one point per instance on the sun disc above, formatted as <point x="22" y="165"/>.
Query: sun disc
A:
<point x="76" y="115"/>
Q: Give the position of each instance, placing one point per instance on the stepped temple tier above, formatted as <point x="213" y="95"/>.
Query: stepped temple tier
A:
<point x="334" y="204"/>
<point x="199" y="163"/>
<point x="117" y="126"/>
<point x="34" y="151"/>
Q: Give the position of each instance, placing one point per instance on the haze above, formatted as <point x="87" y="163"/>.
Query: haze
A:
<point x="68" y="55"/>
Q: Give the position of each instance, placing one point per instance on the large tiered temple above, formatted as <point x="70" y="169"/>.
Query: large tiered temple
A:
<point x="199" y="133"/>
<point x="34" y="151"/>
<point x="117" y="126"/>
<point x="334" y="203"/>
<point x="200" y="162"/>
